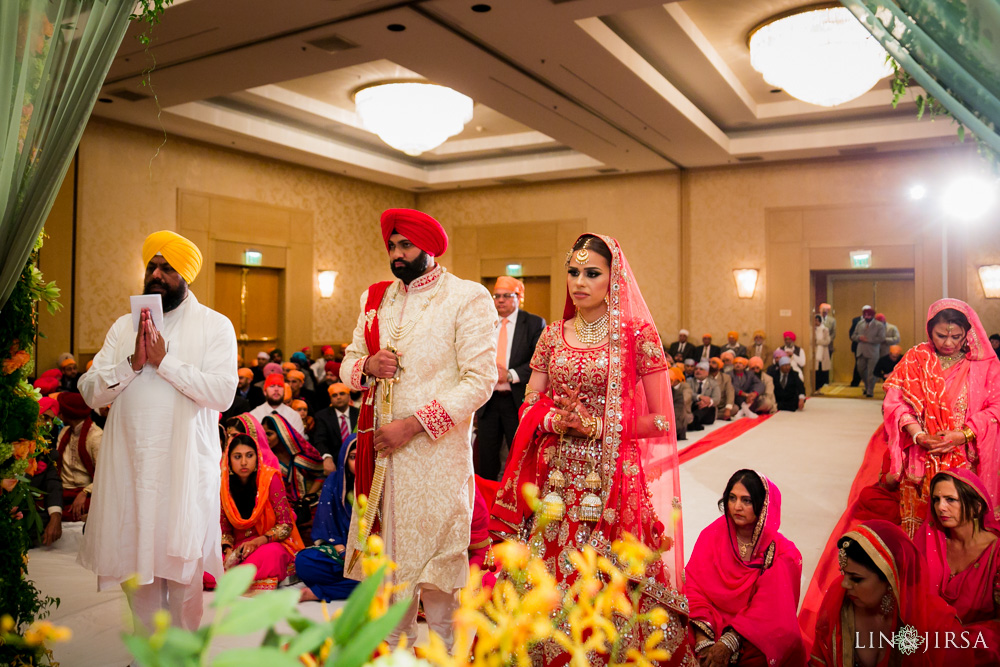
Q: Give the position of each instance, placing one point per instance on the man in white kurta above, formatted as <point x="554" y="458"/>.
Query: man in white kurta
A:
<point x="443" y="328"/>
<point x="155" y="506"/>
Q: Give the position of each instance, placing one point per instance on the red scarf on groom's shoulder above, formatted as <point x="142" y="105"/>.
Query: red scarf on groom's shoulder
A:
<point x="365" y="458"/>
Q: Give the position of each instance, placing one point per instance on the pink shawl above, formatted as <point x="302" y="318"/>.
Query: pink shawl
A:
<point x="253" y="428"/>
<point x="758" y="598"/>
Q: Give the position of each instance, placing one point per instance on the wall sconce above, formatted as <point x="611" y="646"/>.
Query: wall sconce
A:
<point x="327" y="283"/>
<point x="746" y="282"/>
<point x="989" y="277"/>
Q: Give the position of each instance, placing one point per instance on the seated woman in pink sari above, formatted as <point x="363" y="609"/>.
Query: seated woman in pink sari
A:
<point x="959" y="542"/>
<point x="883" y="590"/>
<point x="301" y="468"/>
<point x="258" y="525"/>
<point x="743" y="581"/>
<point x="941" y="412"/>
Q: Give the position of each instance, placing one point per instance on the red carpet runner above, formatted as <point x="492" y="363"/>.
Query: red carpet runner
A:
<point x="720" y="437"/>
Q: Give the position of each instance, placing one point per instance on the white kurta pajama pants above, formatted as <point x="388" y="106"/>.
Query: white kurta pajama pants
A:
<point x="155" y="507"/>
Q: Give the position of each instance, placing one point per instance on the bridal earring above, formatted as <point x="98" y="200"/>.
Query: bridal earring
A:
<point x="888" y="604"/>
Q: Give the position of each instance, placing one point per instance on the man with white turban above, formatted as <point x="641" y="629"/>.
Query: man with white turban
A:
<point x="436" y="334"/>
<point x="154" y="511"/>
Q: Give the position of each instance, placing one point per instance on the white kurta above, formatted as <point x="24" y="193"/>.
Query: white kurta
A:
<point x="155" y="505"/>
<point x="449" y="362"/>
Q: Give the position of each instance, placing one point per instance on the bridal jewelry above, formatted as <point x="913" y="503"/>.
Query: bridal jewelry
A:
<point x="591" y="333"/>
<point x="553" y="506"/>
<point x="399" y="331"/>
<point x="948" y="362"/>
<point x="582" y="255"/>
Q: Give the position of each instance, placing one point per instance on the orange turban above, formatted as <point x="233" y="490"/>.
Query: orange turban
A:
<point x="419" y="228"/>
<point x="676" y="374"/>
<point x="727" y="355"/>
<point x="337" y="388"/>
<point x="760" y="333"/>
<point x="89" y="364"/>
<point x="741" y="360"/>
<point x="895" y="349"/>
<point x="179" y="252"/>
<point x="708" y="335"/>
<point x="245" y="373"/>
<point x="296" y="375"/>
<point x="299" y="403"/>
<point x="756" y="363"/>
<point x="715" y="362"/>
<point x="825" y="305"/>
<point x="508" y="284"/>
<point x="289" y="366"/>
<point x="733" y="334"/>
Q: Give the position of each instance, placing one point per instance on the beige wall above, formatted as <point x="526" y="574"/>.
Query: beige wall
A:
<point x="126" y="193"/>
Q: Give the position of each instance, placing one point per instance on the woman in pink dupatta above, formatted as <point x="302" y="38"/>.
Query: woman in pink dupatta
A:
<point x="750" y="589"/>
<point x="941" y="412"/>
<point x="597" y="436"/>
<point x="964" y="520"/>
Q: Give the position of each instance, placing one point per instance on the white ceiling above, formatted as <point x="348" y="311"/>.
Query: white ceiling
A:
<point x="563" y="88"/>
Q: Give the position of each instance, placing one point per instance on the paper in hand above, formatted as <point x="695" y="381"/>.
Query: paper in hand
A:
<point x="154" y="302"/>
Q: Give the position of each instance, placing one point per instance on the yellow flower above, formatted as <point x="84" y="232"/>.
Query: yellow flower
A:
<point x="161" y="620"/>
<point x="633" y="555"/>
<point x="658" y="616"/>
<point x="6" y="623"/>
<point x="513" y="556"/>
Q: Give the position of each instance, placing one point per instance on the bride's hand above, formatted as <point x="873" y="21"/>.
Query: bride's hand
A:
<point x="566" y="398"/>
<point x="928" y="441"/>
<point x="949" y="440"/>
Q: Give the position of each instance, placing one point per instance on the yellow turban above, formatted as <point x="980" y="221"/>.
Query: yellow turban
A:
<point x="759" y="333"/>
<point x="676" y="374"/>
<point x="180" y="253"/>
<point x="733" y="334"/>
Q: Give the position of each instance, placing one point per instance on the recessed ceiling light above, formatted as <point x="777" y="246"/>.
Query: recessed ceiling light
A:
<point x="481" y="8"/>
<point x="395" y="27"/>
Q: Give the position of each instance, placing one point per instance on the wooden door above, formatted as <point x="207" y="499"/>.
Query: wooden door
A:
<point x="249" y="297"/>
<point x="892" y="296"/>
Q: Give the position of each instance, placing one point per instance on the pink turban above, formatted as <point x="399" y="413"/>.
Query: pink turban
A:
<point x="789" y="334"/>
<point x="419" y="228"/>
<point x="271" y="368"/>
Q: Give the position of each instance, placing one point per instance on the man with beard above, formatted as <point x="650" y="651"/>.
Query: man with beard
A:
<point x="274" y="403"/>
<point x="435" y="334"/>
<point x="154" y="513"/>
<point x="70" y="373"/>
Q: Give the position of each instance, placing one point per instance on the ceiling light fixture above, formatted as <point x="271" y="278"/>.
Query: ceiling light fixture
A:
<point x="413" y="117"/>
<point x="820" y="54"/>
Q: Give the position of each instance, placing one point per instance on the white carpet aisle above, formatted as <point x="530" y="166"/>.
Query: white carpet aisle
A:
<point x="811" y="455"/>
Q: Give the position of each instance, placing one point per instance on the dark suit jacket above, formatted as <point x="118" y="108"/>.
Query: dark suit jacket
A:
<point x="787" y="397"/>
<point x="255" y="396"/>
<point x="700" y="350"/>
<point x="238" y="407"/>
<point x="854" y="324"/>
<point x="690" y="349"/>
<point x="527" y="329"/>
<point x="326" y="433"/>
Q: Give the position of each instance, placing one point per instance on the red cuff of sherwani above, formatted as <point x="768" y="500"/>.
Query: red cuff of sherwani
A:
<point x="435" y="420"/>
<point x="358" y="374"/>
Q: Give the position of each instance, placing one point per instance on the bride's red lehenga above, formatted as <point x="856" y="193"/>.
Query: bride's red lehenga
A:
<point x="625" y="382"/>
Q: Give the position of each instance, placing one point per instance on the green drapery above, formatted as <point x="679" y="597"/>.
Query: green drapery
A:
<point x="950" y="47"/>
<point x="54" y="55"/>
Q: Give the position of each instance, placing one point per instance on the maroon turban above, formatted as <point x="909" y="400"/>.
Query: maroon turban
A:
<point x="419" y="228"/>
<point x="72" y="405"/>
<point x="46" y="385"/>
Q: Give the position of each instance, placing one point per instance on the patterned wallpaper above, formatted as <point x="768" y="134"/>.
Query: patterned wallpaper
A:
<point x="125" y="193"/>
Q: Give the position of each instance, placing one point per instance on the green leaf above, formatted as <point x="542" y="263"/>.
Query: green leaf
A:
<point x="184" y="642"/>
<point x="356" y="610"/>
<point x="298" y="623"/>
<point x="272" y="638"/>
<point x="258" y="613"/>
<point x="961" y="133"/>
<point x="233" y="584"/>
<point x="140" y="649"/>
<point x="255" y="656"/>
<point x="359" y="650"/>
<point x="310" y="640"/>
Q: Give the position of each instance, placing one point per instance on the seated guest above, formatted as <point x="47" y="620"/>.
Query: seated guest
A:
<point x="263" y="359"/>
<point x="789" y="392"/>
<point x="240" y="403"/>
<point x="274" y="403"/>
<point x="319" y="366"/>
<point x="733" y="344"/>
<point x="795" y="354"/>
<point x="995" y="343"/>
<point x="246" y="389"/>
<point x="334" y="424"/>
<point x="270" y="368"/>
<point x="70" y="373"/>
<point x="688" y="368"/>
<point x="46" y="479"/>
<point x="727" y="362"/>
<point x="766" y="403"/>
<point x="247" y="424"/>
<point x="276" y="355"/>
<point x="258" y="525"/>
<point x="887" y="364"/>
<point x="301" y="467"/>
<point x="743" y="581"/>
<point x="959" y="542"/>
<point x="747" y="388"/>
<point x="706" y="395"/>
<point x="681" y="349"/>
<point x="321" y="566"/>
<point x="79" y="444"/>
<point x="883" y="587"/>
<point x="296" y="382"/>
<point x="308" y="423"/>
<point x="821" y="351"/>
<point x="48" y="382"/>
<point x="301" y="362"/>
<point x="725" y="381"/>
<point x="707" y="350"/>
<point x="759" y="346"/>
<point x="682" y="401"/>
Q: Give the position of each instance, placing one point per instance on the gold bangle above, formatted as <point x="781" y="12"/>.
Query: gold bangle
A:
<point x="556" y="422"/>
<point x="970" y="435"/>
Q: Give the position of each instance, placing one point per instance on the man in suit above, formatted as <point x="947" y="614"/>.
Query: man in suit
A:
<point x="869" y="335"/>
<point x="759" y="348"/>
<point x="706" y="395"/>
<point x="789" y="392"/>
<point x="707" y="350"/>
<point x="333" y="424"/>
<point x="517" y="336"/>
<point x="734" y="345"/>
<point x="681" y="348"/>
<point x="856" y="379"/>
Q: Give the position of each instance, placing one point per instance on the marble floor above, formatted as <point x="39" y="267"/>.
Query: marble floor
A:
<point x="812" y="457"/>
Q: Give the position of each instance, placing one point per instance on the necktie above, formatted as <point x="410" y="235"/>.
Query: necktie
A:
<point x="345" y="428"/>
<point x="680" y="348"/>
<point x="699" y="387"/>
<point x="502" y="346"/>
<point x="784" y="380"/>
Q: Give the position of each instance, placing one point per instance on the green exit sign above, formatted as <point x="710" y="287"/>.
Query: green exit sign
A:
<point x="252" y="257"/>
<point x="515" y="270"/>
<point x="861" y="259"/>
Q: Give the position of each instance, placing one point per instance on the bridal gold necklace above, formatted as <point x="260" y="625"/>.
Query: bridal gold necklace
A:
<point x="397" y="332"/>
<point x="591" y="333"/>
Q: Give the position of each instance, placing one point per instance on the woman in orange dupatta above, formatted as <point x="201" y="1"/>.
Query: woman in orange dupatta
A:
<point x="258" y="525"/>
<point x="941" y="412"/>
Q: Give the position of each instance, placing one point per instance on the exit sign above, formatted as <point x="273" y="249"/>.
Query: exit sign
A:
<point x="252" y="257"/>
<point x="861" y="259"/>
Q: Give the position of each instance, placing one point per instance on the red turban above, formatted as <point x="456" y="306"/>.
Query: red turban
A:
<point x="72" y="405"/>
<point x="327" y="349"/>
<point x="880" y="317"/>
<point x="274" y="379"/>
<point x="419" y="228"/>
<point x="48" y="404"/>
<point x="46" y="385"/>
<point x="789" y="334"/>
